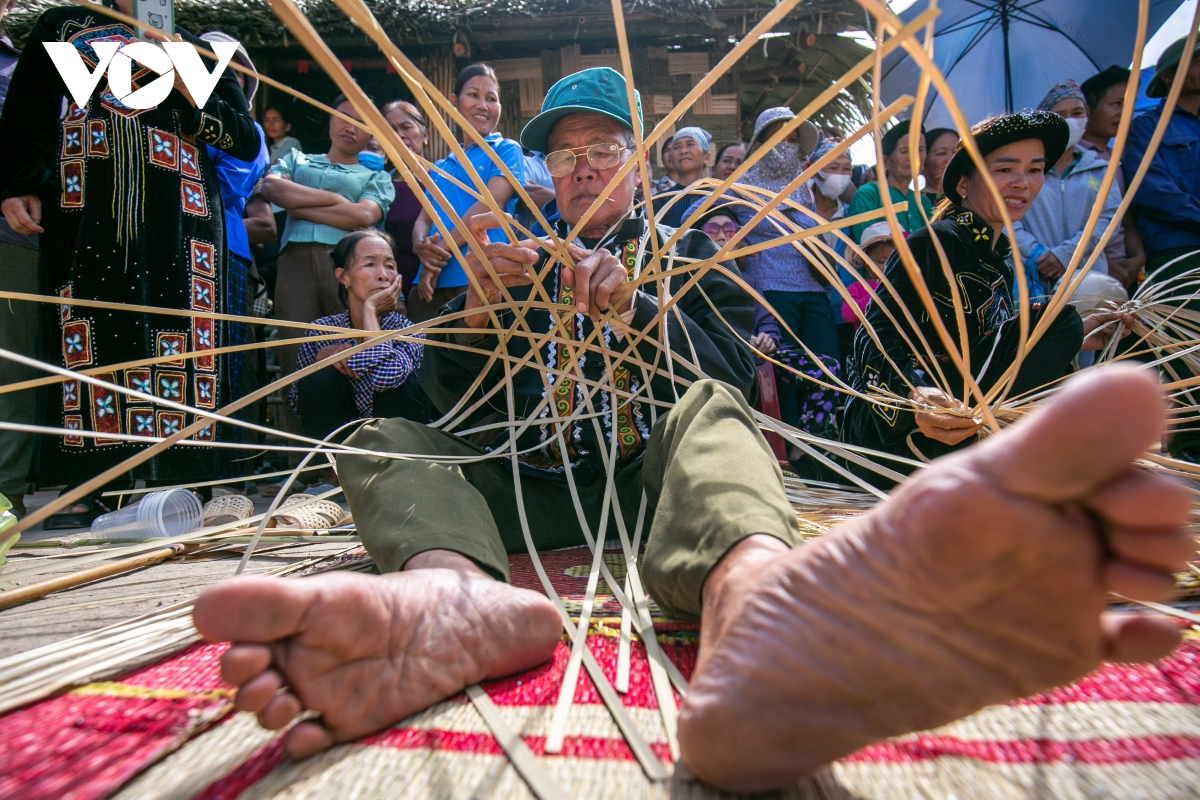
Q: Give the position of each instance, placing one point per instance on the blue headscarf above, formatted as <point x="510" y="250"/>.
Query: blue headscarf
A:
<point x="699" y="134"/>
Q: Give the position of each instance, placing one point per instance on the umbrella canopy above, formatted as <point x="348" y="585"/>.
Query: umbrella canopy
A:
<point x="1004" y="55"/>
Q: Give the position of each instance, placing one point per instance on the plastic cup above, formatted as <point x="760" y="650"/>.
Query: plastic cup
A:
<point x="157" y="515"/>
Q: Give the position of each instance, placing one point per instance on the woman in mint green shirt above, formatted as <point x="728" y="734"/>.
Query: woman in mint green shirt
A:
<point x="898" y="168"/>
<point x="326" y="197"/>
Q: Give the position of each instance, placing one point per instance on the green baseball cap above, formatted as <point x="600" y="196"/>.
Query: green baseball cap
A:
<point x="1168" y="61"/>
<point x="599" y="90"/>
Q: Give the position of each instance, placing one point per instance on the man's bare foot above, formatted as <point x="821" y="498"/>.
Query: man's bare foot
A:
<point x="982" y="580"/>
<point x="367" y="651"/>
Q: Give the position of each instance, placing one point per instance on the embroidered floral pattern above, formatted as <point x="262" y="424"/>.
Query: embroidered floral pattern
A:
<point x="194" y="201"/>
<point x="164" y="149"/>
<point x="140" y="421"/>
<point x="71" y="178"/>
<point x="77" y="343"/>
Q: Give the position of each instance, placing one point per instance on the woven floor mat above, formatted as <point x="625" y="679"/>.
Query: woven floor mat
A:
<point x="167" y="731"/>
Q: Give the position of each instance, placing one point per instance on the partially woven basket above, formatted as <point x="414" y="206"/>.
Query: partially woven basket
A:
<point x="302" y="511"/>
<point x="227" y="508"/>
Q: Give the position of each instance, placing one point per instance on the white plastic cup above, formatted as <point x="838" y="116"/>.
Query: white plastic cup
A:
<point x="157" y="515"/>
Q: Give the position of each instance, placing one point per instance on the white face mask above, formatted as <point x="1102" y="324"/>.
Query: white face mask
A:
<point x="832" y="186"/>
<point x="1078" y="125"/>
<point x="918" y="184"/>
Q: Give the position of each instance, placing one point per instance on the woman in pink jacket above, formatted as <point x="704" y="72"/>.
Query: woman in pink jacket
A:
<point x="877" y="244"/>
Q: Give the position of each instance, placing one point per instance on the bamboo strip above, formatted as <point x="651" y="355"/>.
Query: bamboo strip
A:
<point x="543" y="785"/>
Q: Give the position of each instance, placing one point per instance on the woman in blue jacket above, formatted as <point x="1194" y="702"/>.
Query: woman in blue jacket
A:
<point x="441" y="278"/>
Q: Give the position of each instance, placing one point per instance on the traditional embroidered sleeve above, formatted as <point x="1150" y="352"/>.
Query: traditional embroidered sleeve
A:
<point x="388" y="364"/>
<point x="30" y="134"/>
<point x="225" y="122"/>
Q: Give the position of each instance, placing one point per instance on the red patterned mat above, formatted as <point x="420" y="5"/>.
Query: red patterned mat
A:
<point x="1129" y="729"/>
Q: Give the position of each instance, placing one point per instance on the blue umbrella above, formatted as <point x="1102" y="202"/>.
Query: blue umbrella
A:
<point x="1004" y="55"/>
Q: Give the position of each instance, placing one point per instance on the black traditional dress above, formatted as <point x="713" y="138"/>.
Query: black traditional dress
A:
<point x="987" y="288"/>
<point x="132" y="213"/>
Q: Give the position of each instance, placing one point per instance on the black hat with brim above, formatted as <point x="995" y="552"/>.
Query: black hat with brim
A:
<point x="992" y="134"/>
<point x="1167" y="62"/>
<point x="721" y="210"/>
<point x="891" y="139"/>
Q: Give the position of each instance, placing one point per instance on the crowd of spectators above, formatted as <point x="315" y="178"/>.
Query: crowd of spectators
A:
<point x="339" y="238"/>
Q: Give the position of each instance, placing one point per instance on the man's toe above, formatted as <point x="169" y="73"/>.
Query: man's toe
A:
<point x="1138" y="582"/>
<point x="241" y="662"/>
<point x="1087" y="435"/>
<point x="306" y="738"/>
<point x="1138" y="637"/>
<point x="251" y="609"/>
<point x="256" y="693"/>
<point x="280" y="710"/>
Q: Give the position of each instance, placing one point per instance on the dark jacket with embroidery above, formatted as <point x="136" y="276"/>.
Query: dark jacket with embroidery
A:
<point x="132" y="212"/>
<point x="986" y="286"/>
<point x="695" y="331"/>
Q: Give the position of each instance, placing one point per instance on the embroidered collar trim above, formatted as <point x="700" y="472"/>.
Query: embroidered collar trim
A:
<point x="982" y="234"/>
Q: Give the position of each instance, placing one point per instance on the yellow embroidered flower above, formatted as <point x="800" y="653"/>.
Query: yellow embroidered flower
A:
<point x="980" y="233"/>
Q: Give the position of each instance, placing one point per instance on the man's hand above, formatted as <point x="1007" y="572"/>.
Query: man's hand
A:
<point x="763" y="343"/>
<point x="1049" y="267"/>
<point x="1098" y="328"/>
<point x="427" y="283"/>
<point x="948" y="429"/>
<point x="340" y="366"/>
<point x="430" y="251"/>
<point x="510" y="264"/>
<point x="597" y="280"/>
<point x="24" y="213"/>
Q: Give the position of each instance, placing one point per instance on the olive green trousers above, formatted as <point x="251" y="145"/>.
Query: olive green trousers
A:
<point x="709" y="476"/>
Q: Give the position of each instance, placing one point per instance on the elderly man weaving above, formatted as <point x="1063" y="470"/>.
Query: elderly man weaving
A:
<point x="981" y="580"/>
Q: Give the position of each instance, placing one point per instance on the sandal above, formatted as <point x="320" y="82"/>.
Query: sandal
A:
<point x="79" y="519"/>
<point x="301" y="511"/>
<point x="226" y="508"/>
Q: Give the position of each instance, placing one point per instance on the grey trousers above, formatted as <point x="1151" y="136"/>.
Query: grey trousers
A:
<point x="18" y="333"/>
<point x="709" y="476"/>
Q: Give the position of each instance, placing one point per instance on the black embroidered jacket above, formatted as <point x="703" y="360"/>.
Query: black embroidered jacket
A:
<point x="132" y="212"/>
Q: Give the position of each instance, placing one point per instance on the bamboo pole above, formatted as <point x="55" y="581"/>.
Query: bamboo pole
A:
<point x="39" y="589"/>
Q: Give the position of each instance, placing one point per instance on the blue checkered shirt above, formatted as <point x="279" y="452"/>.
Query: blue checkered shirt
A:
<point x="379" y="368"/>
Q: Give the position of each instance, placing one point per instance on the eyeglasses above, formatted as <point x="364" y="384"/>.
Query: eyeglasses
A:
<point x="714" y="230"/>
<point x="561" y="163"/>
